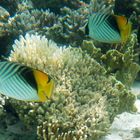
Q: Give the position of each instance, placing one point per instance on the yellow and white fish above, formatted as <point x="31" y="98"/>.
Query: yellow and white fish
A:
<point x="108" y="28"/>
<point x="24" y="83"/>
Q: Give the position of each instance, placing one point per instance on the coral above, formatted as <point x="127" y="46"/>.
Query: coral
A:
<point x="90" y="48"/>
<point x="26" y="19"/>
<point x="70" y="28"/>
<point x="136" y="132"/>
<point x="123" y="63"/>
<point x="73" y="23"/>
<point x="4" y="15"/>
<point x="13" y="6"/>
<point x="85" y="99"/>
<point x="2" y="110"/>
<point x="105" y="6"/>
<point x="9" y="5"/>
<point x="23" y="5"/>
<point x="58" y="4"/>
<point x="30" y="21"/>
<point x="66" y="28"/>
<point x="4" y="37"/>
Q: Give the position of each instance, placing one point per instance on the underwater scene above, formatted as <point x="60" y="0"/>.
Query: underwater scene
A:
<point x="69" y="69"/>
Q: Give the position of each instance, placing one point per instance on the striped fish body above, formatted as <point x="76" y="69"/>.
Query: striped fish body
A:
<point x="108" y="28"/>
<point x="19" y="82"/>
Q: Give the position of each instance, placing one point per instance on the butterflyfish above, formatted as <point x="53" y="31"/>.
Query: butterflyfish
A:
<point x="108" y="28"/>
<point x="24" y="83"/>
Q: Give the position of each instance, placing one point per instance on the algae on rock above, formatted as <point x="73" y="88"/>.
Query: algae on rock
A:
<point x="85" y="99"/>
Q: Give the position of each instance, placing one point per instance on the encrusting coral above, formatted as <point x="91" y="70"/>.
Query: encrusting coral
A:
<point x="122" y="62"/>
<point x="85" y="99"/>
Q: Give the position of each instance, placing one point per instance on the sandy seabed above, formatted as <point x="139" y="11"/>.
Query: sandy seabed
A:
<point x="126" y="126"/>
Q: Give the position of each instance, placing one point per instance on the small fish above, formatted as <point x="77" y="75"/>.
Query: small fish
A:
<point x="108" y="28"/>
<point x="24" y="83"/>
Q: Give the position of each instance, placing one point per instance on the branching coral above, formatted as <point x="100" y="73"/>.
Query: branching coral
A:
<point x="67" y="28"/>
<point x="85" y="99"/>
<point x="9" y="5"/>
<point x="26" y="19"/>
<point x="105" y="6"/>
<point x="4" y="15"/>
<point x="23" y="5"/>
<point x="71" y="27"/>
<point x="30" y="21"/>
<point x="58" y="4"/>
<point x="73" y="24"/>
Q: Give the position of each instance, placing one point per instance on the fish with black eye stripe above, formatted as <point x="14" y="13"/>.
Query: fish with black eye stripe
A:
<point x="108" y="28"/>
<point x="24" y="83"/>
